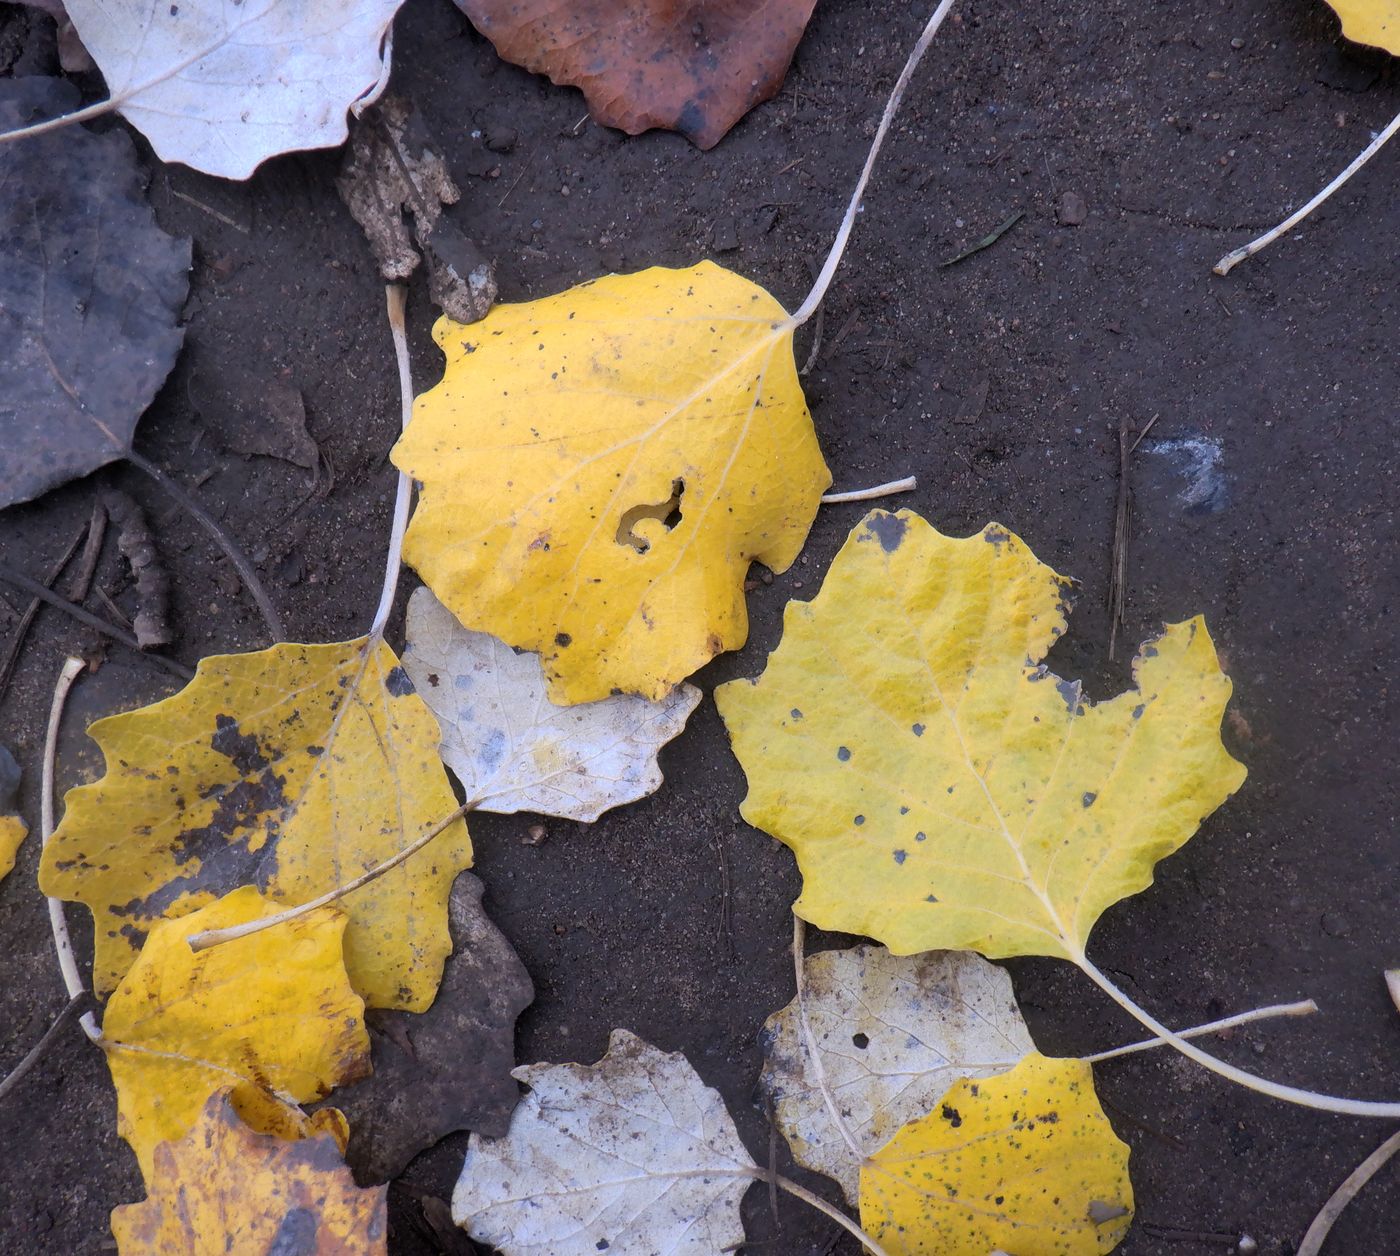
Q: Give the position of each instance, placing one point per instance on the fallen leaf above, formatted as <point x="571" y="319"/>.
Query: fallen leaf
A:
<point x="892" y="1034"/>
<point x="249" y="409"/>
<point x="450" y="1068"/>
<point x="223" y="1188"/>
<point x="1375" y="22"/>
<point x="600" y="468"/>
<point x="513" y="748"/>
<point x="12" y="826"/>
<point x="223" y="88"/>
<point x="1025" y="1162"/>
<point x="693" y="66"/>
<point x="273" y="1012"/>
<point x="91" y="290"/>
<point x="631" y="1155"/>
<point x="294" y="769"/>
<point x="941" y="789"/>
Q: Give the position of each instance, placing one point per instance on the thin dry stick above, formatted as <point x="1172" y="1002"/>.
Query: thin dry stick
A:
<point x="1305" y="1008"/>
<point x="799" y="950"/>
<point x="1228" y="263"/>
<point x="1345" y="1193"/>
<point x="213" y="937"/>
<point x="22" y="628"/>
<point x="1122" y="519"/>
<point x="63" y="944"/>
<point x="79" y="1001"/>
<point x="907" y="485"/>
<point x="44" y="594"/>
<point x="231" y="549"/>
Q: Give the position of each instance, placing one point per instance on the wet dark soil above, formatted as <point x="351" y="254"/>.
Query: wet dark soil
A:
<point x="1265" y="496"/>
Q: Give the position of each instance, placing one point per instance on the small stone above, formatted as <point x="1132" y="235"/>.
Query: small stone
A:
<point x="561" y="930"/>
<point x="535" y="835"/>
<point x="1237" y="43"/>
<point x="565" y="190"/>
<point x="501" y="139"/>
<point x="1247" y="1246"/>
<point x="1335" y="925"/>
<point x="725" y="236"/>
<point x="1071" y="210"/>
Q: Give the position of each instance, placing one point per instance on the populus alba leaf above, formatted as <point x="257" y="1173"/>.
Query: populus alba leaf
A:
<point x="632" y="1155"/>
<point x="1375" y="22"/>
<point x="599" y="469"/>
<point x="272" y="1012"/>
<point x="892" y="1033"/>
<point x="222" y="87"/>
<point x="693" y="66"/>
<point x="940" y="788"/>
<point x="293" y="769"/>
<point x="91" y="292"/>
<point x="12" y="826"/>
<point x="224" y="1188"/>
<point x="513" y="748"/>
<point x="1023" y="1162"/>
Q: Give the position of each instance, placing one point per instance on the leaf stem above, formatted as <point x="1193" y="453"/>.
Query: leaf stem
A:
<point x="1228" y="263"/>
<point x="817" y="1202"/>
<point x="213" y="937"/>
<point x="221" y="538"/>
<point x="1275" y="1090"/>
<point x="843" y="233"/>
<point x="1345" y="1193"/>
<point x="396" y="295"/>
<point x="907" y="485"/>
<point x="58" y="922"/>
<point x="1306" y="1008"/>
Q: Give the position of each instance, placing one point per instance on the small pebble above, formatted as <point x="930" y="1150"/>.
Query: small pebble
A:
<point x="1071" y="210"/>
<point x="1237" y="43"/>
<point x="1247" y="1246"/>
<point x="561" y="930"/>
<point x="535" y="835"/>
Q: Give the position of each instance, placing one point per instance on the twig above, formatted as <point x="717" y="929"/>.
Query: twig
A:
<point x="907" y="485"/>
<point x="1305" y="1008"/>
<point x="63" y="944"/>
<point x="1122" y="519"/>
<point x="22" y="628"/>
<point x="92" y="553"/>
<point x="1345" y="1193"/>
<point x="817" y="1202"/>
<point x="44" y="594"/>
<point x="79" y="1002"/>
<point x="211" y="211"/>
<point x="986" y="241"/>
<point x="1228" y="263"/>
<point x="396" y="296"/>
<point x="225" y="542"/>
<point x="206" y="938"/>
<point x="816" y="342"/>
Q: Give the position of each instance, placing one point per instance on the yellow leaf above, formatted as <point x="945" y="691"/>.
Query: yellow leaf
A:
<point x="225" y="1189"/>
<point x="273" y="1013"/>
<point x="941" y="790"/>
<point x="1375" y="22"/>
<point x="294" y="769"/>
<point x="1024" y="1162"/>
<point x="12" y="828"/>
<point x="600" y="468"/>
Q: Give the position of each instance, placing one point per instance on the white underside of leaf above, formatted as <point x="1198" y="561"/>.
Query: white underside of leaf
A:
<point x="222" y="86"/>
<point x="926" y="1021"/>
<point x="632" y="1156"/>
<point x="513" y="748"/>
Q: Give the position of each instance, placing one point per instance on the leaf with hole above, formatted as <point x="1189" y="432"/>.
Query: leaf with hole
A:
<point x="696" y="66"/>
<point x="632" y="1155"/>
<point x="294" y="769"/>
<point x="939" y="786"/>
<point x="91" y="290"/>
<point x="600" y="468"/>
<point x="891" y="1034"/>
<point x="272" y="1013"/>
<point x="513" y="748"/>
<point x="448" y="1068"/>
<point x="1023" y="1162"/>
<point x="223" y="87"/>
<point x="226" y="1188"/>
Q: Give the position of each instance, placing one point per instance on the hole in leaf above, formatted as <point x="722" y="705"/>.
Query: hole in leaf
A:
<point x="668" y="512"/>
<point x="860" y="1040"/>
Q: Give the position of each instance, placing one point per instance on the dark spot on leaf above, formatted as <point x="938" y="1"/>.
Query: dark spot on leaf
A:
<point x="796" y="714"/>
<point x="563" y="640"/>
<point x="917" y="730"/>
<point x="888" y="529"/>
<point x="242" y="750"/>
<point x="952" y="1115"/>
<point x="1089" y="797"/>
<point x="859" y="821"/>
<point x="900" y="856"/>
<point x="296" y="1236"/>
<point x="843" y="753"/>
<point x="860" y="1040"/>
<point x="397" y="682"/>
<point x="920" y="836"/>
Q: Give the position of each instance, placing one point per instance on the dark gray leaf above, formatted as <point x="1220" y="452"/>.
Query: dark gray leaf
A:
<point x="90" y="293"/>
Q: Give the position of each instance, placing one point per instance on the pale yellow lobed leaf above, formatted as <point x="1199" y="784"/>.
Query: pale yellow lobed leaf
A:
<point x="940" y="789"/>
<point x="12" y="827"/>
<point x="273" y="1013"/>
<point x="294" y="768"/>
<point x="224" y="1188"/>
<point x="1023" y="1162"/>
<point x="564" y="435"/>
<point x="1375" y="22"/>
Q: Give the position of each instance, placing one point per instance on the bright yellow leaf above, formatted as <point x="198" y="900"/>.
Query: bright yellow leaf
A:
<point x="600" y="468"/>
<point x="225" y="1189"/>
<point x="1023" y="1162"/>
<point x="939" y="788"/>
<point x="293" y="769"/>
<point x="272" y="1013"/>
<point x="12" y="828"/>
<point x="1375" y="22"/>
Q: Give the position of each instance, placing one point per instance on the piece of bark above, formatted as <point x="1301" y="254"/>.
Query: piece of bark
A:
<point x="151" y="623"/>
